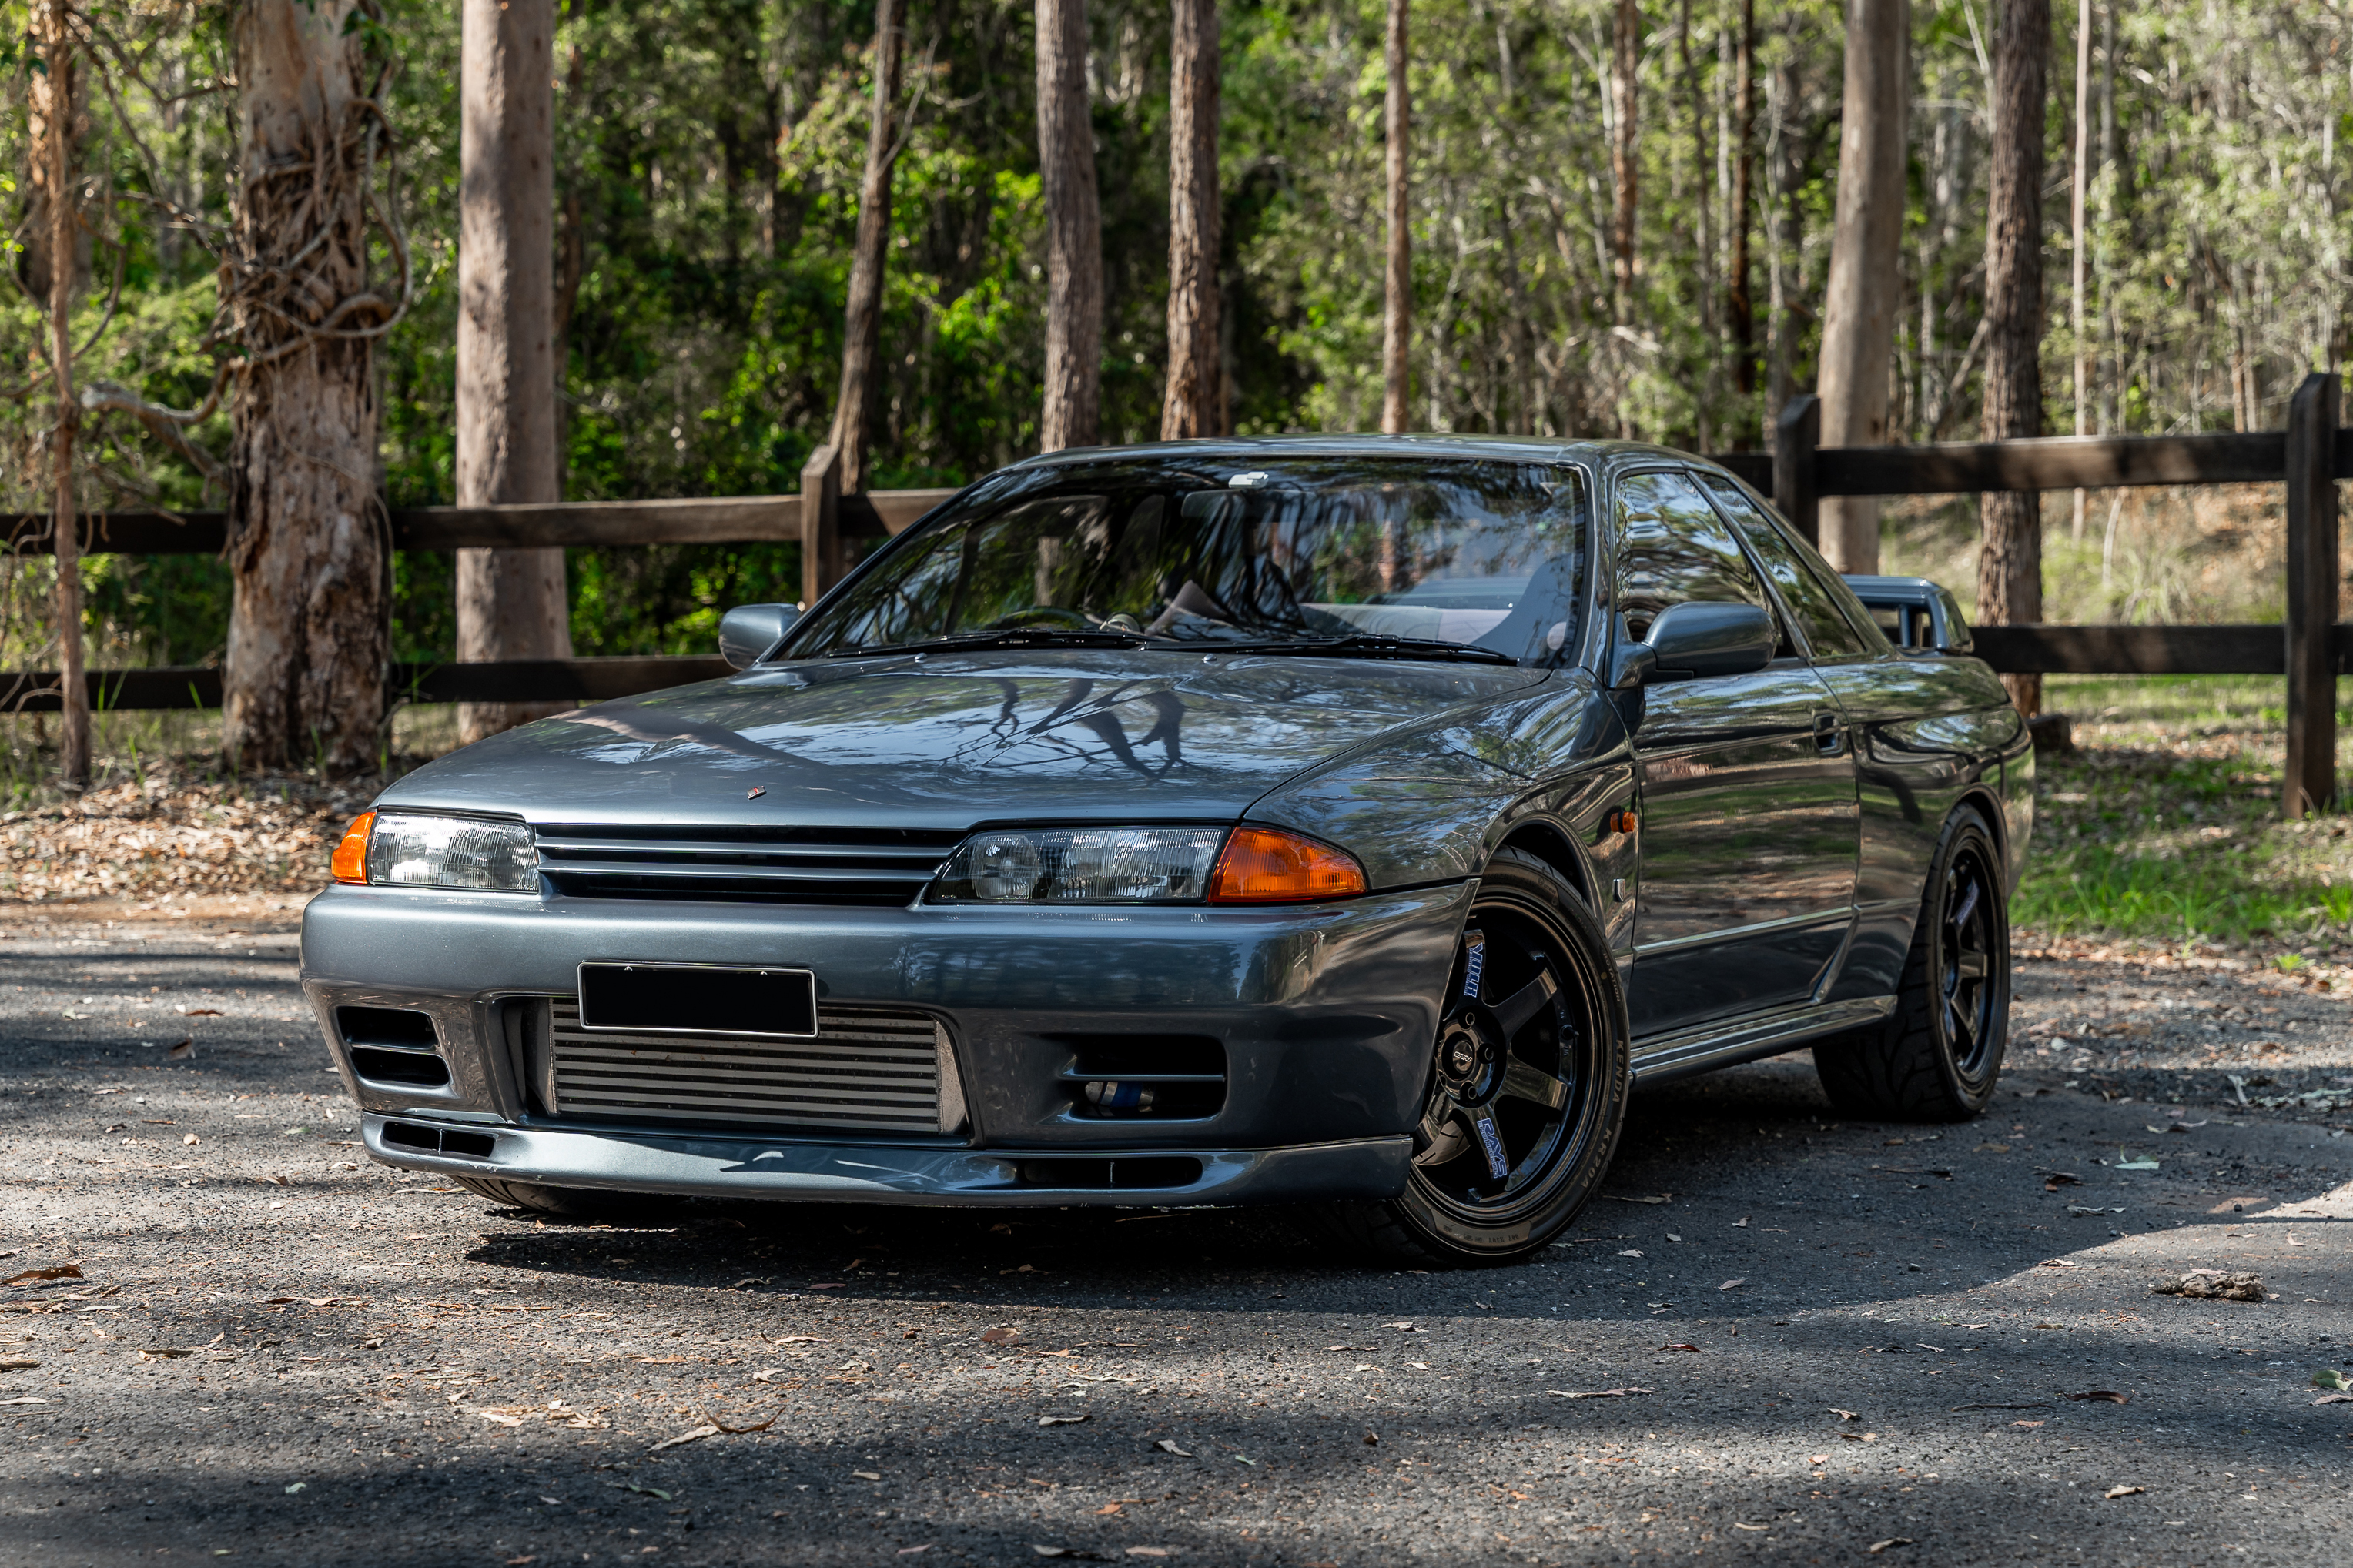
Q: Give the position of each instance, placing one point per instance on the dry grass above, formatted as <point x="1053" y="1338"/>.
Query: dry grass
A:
<point x="2198" y="555"/>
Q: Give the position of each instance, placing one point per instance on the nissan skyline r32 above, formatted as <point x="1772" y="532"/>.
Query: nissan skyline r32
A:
<point x="1339" y="821"/>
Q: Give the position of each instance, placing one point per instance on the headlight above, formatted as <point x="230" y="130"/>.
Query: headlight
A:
<point x="1080" y="866"/>
<point x="1145" y="865"/>
<point x="393" y="848"/>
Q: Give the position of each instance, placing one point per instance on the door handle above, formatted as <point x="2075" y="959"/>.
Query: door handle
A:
<point x="1829" y="739"/>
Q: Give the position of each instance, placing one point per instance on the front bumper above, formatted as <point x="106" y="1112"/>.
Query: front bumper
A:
<point x="735" y="1167"/>
<point x="1325" y="1015"/>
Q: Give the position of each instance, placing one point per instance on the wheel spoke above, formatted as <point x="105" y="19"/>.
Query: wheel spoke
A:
<point x="1967" y="905"/>
<point x="1439" y="1139"/>
<point x="1971" y="963"/>
<point x="1513" y="1013"/>
<point x="1524" y="1082"/>
<point x="1489" y="1138"/>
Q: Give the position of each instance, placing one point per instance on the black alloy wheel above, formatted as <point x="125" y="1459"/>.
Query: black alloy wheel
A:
<point x="1972" y="962"/>
<point x="1938" y="1055"/>
<point x="1527" y="1083"/>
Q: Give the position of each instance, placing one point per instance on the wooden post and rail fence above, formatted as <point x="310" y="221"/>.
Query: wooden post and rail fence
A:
<point x="2309" y="645"/>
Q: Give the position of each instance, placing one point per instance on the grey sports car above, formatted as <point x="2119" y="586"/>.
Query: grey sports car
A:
<point x="1349" y="821"/>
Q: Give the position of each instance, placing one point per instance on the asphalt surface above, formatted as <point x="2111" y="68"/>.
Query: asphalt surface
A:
<point x="1802" y="1338"/>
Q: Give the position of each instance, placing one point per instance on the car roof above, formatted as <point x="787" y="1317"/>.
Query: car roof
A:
<point x="1895" y="590"/>
<point x="1487" y="448"/>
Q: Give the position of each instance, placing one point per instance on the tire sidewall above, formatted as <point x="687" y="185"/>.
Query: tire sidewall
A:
<point x="1968" y="829"/>
<point x="1542" y="892"/>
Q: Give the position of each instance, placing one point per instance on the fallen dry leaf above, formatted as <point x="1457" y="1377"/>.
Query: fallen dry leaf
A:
<point x="1001" y="1336"/>
<point x="1694" y="1349"/>
<point x="1845" y="1415"/>
<point x="1599" y="1393"/>
<point x="1662" y="1198"/>
<point x="36" y="1276"/>
<point x="1168" y="1446"/>
<point x="2124" y="1491"/>
<point x="2212" y="1285"/>
<point x="1732" y="1284"/>
<point x="755" y="1427"/>
<point x="691" y="1435"/>
<point x="1061" y="1420"/>
<point x="1877" y="1547"/>
<point x="2102" y="1395"/>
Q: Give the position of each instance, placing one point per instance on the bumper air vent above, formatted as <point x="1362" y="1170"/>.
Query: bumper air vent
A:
<point x="1142" y="1172"/>
<point x="392" y="1045"/>
<point x="433" y="1140"/>
<point x="408" y="1069"/>
<point x="884" y="868"/>
<point x="1163" y="1078"/>
<point x="868" y="1069"/>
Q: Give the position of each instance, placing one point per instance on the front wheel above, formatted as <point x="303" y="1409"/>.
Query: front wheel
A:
<point x="1937" y="1057"/>
<point x="1527" y="1083"/>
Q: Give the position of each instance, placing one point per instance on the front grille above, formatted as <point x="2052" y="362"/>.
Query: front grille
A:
<point x="878" y="865"/>
<point x="868" y="1069"/>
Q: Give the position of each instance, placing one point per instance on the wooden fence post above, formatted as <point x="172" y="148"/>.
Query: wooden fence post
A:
<point x="820" y="523"/>
<point x="1796" y="435"/>
<point x="2311" y="597"/>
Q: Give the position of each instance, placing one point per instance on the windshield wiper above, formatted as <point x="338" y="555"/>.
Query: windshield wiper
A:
<point x="1012" y="636"/>
<point x="1369" y="645"/>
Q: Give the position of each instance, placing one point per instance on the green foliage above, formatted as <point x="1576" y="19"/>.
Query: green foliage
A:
<point x="708" y="165"/>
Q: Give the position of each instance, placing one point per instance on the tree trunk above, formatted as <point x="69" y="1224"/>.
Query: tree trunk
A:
<point x="1194" y="404"/>
<point x="1625" y="152"/>
<point x="2075" y="247"/>
<point x="2010" y="564"/>
<point x="511" y="603"/>
<point x="309" y="540"/>
<point x="56" y="111"/>
<point x="1865" y="285"/>
<point x="1739" y="304"/>
<point x="1787" y="265"/>
<point x="1072" y="415"/>
<point x="861" y="337"/>
<point x="1396" y="317"/>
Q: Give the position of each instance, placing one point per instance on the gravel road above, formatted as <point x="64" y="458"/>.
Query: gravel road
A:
<point x="1782" y="1337"/>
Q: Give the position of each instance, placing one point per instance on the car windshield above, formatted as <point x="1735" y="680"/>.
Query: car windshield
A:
<point x="1370" y="555"/>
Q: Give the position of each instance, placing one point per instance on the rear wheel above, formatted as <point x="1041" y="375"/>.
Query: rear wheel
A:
<point x="1937" y="1057"/>
<point x="569" y="1202"/>
<point x="1527" y="1083"/>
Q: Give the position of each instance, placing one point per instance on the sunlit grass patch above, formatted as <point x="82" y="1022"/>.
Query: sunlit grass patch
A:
<point x="2165" y="824"/>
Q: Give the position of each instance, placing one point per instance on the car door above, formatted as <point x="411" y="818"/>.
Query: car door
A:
<point x="1748" y="822"/>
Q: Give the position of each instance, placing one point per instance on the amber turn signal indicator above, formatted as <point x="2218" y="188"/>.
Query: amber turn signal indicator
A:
<point x="349" y="864"/>
<point x="1624" y="822"/>
<point x="1268" y="866"/>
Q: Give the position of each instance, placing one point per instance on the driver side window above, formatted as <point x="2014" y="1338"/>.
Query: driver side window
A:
<point x="1673" y="549"/>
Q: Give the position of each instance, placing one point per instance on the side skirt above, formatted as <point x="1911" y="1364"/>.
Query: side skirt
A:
<point x="1665" y="1058"/>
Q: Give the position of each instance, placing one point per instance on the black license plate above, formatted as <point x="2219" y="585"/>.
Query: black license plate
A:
<point x="698" y="999"/>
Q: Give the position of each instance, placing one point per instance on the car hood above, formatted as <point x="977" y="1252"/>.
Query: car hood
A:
<point x="951" y="740"/>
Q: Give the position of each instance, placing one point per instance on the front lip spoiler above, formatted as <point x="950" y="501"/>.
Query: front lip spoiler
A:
<point x="737" y="1167"/>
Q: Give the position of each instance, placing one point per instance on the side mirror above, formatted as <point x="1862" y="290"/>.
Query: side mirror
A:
<point x="749" y="633"/>
<point x="1692" y="641"/>
<point x="1631" y="664"/>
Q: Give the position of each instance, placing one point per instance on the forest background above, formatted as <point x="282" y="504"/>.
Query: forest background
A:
<point x="708" y="164"/>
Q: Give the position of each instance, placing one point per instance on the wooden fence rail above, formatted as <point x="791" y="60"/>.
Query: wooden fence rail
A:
<point x="2310" y="646"/>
